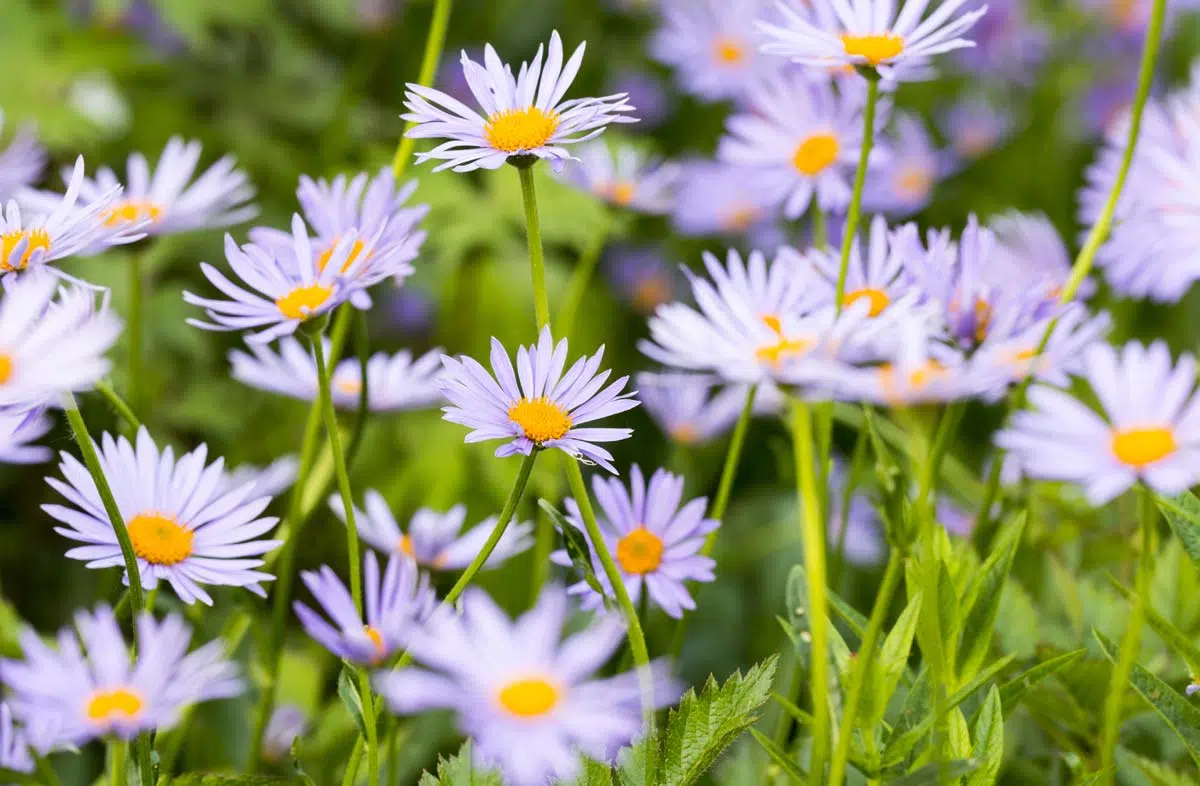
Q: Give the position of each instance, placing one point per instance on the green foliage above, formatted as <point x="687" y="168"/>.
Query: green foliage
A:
<point x="577" y="548"/>
<point x="1182" y="512"/>
<point x="459" y="770"/>
<point x="223" y="779"/>
<point x="988" y="739"/>
<point x="351" y="699"/>
<point x="983" y="599"/>
<point x="786" y="762"/>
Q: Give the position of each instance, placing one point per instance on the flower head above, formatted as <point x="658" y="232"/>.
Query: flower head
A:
<point x="643" y="277"/>
<point x="540" y="405"/>
<point x="685" y="408"/>
<point x="286" y="724"/>
<point x="624" y="177"/>
<point x="17" y="430"/>
<point x="522" y="116"/>
<point x="394" y="603"/>
<point x="22" y="162"/>
<point x="14" y="753"/>
<point x="878" y="277"/>
<point x="976" y="127"/>
<point x="905" y="183"/>
<point x="269" y="481"/>
<point x="1017" y="351"/>
<point x="1148" y="427"/>
<point x="435" y="541"/>
<point x="90" y="687"/>
<point x="526" y="697"/>
<point x="716" y="198"/>
<point x="186" y="528"/>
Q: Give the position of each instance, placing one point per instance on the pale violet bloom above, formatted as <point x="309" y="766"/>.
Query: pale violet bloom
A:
<point x="395" y="383"/>
<point x="529" y="699"/>
<point x="863" y="542"/>
<point x="904" y="184"/>
<point x="185" y="527"/>
<point x="167" y="199"/>
<point x="545" y="409"/>
<point x="685" y="408"/>
<point x="522" y="116"/>
<point x="1194" y="687"/>
<point x="22" y="162"/>
<point x="1016" y="351"/>
<point x="1147" y="429"/>
<point x="624" y="177"/>
<point x="1031" y="255"/>
<point x="798" y="141"/>
<point x="976" y="127"/>
<point x="394" y="603"/>
<point x="14" y="753"/>
<point x="435" y="541"/>
<point x="269" y="481"/>
<point x="870" y="33"/>
<point x="89" y="687"/>
<point x="1007" y="44"/>
<point x="877" y="277"/>
<point x="18" y="430"/>
<point x="716" y="198"/>
<point x="654" y="537"/>
<point x="642" y="276"/>
<point x="287" y="723"/>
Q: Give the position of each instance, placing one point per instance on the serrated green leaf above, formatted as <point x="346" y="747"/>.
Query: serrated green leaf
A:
<point x="576" y="545"/>
<point x="593" y="773"/>
<point x="233" y="779"/>
<point x="891" y="661"/>
<point x="790" y="766"/>
<point x="1173" y="636"/>
<point x="1173" y="708"/>
<point x="798" y="715"/>
<point x="949" y="619"/>
<point x="983" y="600"/>
<point x="988" y="739"/>
<point x="1158" y="774"/>
<point x="1012" y="691"/>
<point x="459" y="770"/>
<point x="348" y="693"/>
<point x="632" y="764"/>
<point x="1182" y="512"/>
<point x="959" y="736"/>
<point x="933" y="774"/>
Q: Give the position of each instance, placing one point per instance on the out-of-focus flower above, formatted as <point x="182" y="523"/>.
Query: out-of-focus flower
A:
<point x="286" y="724"/>
<point x="545" y="409"/>
<point x="434" y="540"/>
<point x="1017" y="351"/>
<point x="90" y="687"/>
<point x="525" y="116"/>
<point x="624" y="177"/>
<point x="642" y="277"/>
<point x="1148" y="428"/>
<point x="646" y="92"/>
<point x="655" y="541"/>
<point x="1007" y="44"/>
<point x="863" y="542"/>
<point x="716" y="198"/>
<point x="17" y="430"/>
<point x="269" y="481"/>
<point x="684" y="408"/>
<point x="1193" y="688"/>
<point x="410" y="311"/>
<point x="798" y="142"/>
<point x="95" y="96"/>
<point x="1030" y="255"/>
<point x="976" y="127"/>
<point x="878" y="277"/>
<point x="394" y="604"/>
<point x="513" y="683"/>
<point x="14" y="753"/>
<point x="904" y="183"/>
<point x="184" y="528"/>
<point x="22" y="162"/>
<point x="395" y="383"/>
<point x="956" y="519"/>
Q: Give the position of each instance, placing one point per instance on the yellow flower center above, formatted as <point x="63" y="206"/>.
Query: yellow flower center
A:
<point x="6" y="367"/>
<point x="784" y="347"/>
<point x="640" y="551"/>
<point x="739" y="218"/>
<point x="815" y="154"/>
<point x="325" y="256"/>
<point x="874" y="48"/>
<point x="301" y="302"/>
<point x="650" y="293"/>
<point x="540" y="419"/>
<point x="878" y="299"/>
<point x="514" y="130"/>
<point x="917" y="379"/>
<point x="1140" y="447"/>
<point x="377" y="640"/>
<point x="406" y="546"/>
<point x="348" y="385"/>
<point x="159" y="539"/>
<point x="529" y="698"/>
<point x="685" y="433"/>
<point x="729" y="51"/>
<point x="131" y="211"/>
<point x="914" y="182"/>
<point x="117" y="704"/>
<point x="622" y="193"/>
<point x="38" y="238"/>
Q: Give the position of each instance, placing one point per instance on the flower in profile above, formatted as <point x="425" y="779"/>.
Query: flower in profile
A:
<point x="714" y="198"/>
<point x="685" y="408"/>
<point x="166" y="200"/>
<point x="513" y="682"/>
<point x="624" y="177"/>
<point x="877" y="278"/>
<point x="643" y="277"/>
<point x="523" y="117"/>
<point x="798" y="142"/>
<point x="1016" y="351"/>
<point x="269" y="481"/>
<point x="869" y="32"/>
<point x="395" y="603"/>
<point x="52" y="341"/>
<point x="14" y="753"/>
<point x="22" y="162"/>
<point x="57" y="227"/>
<point x="545" y="409"/>
<point x="90" y="687"/>
<point x="1148" y="427"/>
<point x="905" y="183"/>
<point x="186" y="529"/>
<point x="395" y="383"/>
<point x="286" y="724"/>
<point x="17" y="430"/>
<point x="713" y="45"/>
<point x="976" y="127"/>
<point x="656" y="542"/>
<point x="434" y="540"/>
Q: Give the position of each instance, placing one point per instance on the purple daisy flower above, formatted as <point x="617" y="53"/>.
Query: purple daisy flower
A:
<point x="904" y="184"/>
<point x="286" y="724"/>
<point x="685" y="409"/>
<point x="976" y="127"/>
<point x="14" y="753"/>
<point x="714" y="198"/>
<point x="624" y="177"/>
<point x="22" y="162"/>
<point x="643" y="277"/>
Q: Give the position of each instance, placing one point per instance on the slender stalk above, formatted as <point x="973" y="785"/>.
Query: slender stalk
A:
<point x="860" y="178"/>
<point x="435" y="41"/>
<point x="134" y="330"/>
<point x="352" y="763"/>
<point x="581" y="277"/>
<point x="117" y="762"/>
<point x="45" y="771"/>
<point x="533" y="234"/>
<point x="369" y="723"/>
<point x="118" y="404"/>
<point x="820" y="226"/>
<point x="862" y="666"/>
<point x="543" y="544"/>
<point x="363" y="344"/>
<point x="812" y="531"/>
<point x="733" y="457"/>
<point x="1130" y="643"/>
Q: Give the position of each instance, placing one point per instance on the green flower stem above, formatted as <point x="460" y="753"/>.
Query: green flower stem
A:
<point x="860" y="178"/>
<point x="45" y="772"/>
<point x="435" y="41"/>
<point x="581" y="277"/>
<point x="1130" y="643"/>
<point x="351" y="774"/>
<point x="812" y="531"/>
<point x="134" y="330"/>
<point x="118" y="404"/>
<point x="733" y="456"/>
<point x="543" y="544"/>
<point x="820" y="226"/>
<point x="117" y="762"/>
<point x="137" y="600"/>
<point x="862" y="666"/>
<point x="533" y="233"/>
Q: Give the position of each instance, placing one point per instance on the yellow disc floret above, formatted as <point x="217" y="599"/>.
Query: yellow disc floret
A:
<point x="878" y="299"/>
<point x="517" y="130"/>
<point x="6" y="367"/>
<point x="876" y="48"/>
<point x="729" y="51"/>
<point x="131" y="211"/>
<point x="301" y="302"/>
<point x="529" y="698"/>
<point x="116" y="704"/>
<point x="541" y="420"/>
<point x="160" y="539"/>
<point x="815" y="154"/>
<point x="327" y="254"/>
<point x="38" y="238"/>
<point x="1141" y="447"/>
<point x="640" y="552"/>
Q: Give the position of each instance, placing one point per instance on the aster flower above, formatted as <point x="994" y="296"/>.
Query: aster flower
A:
<point x="17" y="430"/>
<point x="1007" y="44"/>
<point x="184" y="527"/>
<point x="716" y="198"/>
<point x="1193" y="687"/>
<point x="863" y="542"/>
<point x="166" y="200"/>
<point x="656" y="542"/>
<point x="56" y="227"/>
<point x="869" y="32"/>
<point x="714" y="45"/>
<point x="647" y="93"/>
<point x="685" y="409"/>
<point x="1031" y="255"/>
<point x="905" y="183"/>
<point x="642" y="276"/>
<point x="1148" y="427"/>
<point x="395" y="383"/>
<point x="624" y="177"/>
<point x="395" y="604"/>
<point x="286" y="724"/>
<point x="798" y="142"/>
<point x="877" y="278"/>
<point x="976" y="127"/>
<point x="1016" y="351"/>
<point x="545" y="408"/>
<point x="269" y="481"/>
<point x="525" y="696"/>
<point x="52" y="341"/>
<point x="90" y="687"/>
<point x="522" y="117"/>
<point x="433" y="539"/>
<point x="22" y="162"/>
<point x="14" y="753"/>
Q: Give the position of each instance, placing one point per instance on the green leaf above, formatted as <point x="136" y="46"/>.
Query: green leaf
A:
<point x="931" y="773"/>
<point x="1157" y="774"/>
<point x="1183" y="514"/>
<point x="983" y="599"/>
<point x="632" y="764"/>
<point x="703" y="726"/>
<point x="989" y="740"/>
<point x="576" y="545"/>
<point x="18" y="778"/>
<point x="959" y="735"/>
<point x="593" y="773"/>
<point x="233" y="779"/>
<point x="786" y="763"/>
<point x="1012" y="691"/>
<point x="798" y="715"/>
<point x="1173" y="636"/>
<point x="348" y="693"/>
<point x="459" y="770"/>
<point x="891" y="661"/>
